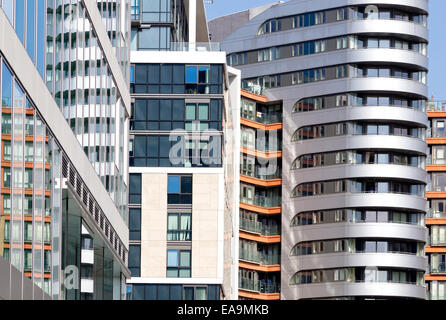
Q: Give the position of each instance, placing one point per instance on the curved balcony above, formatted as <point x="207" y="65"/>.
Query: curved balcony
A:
<point x="358" y="113"/>
<point x="354" y="200"/>
<point x="337" y="57"/>
<point x="347" y="142"/>
<point x="334" y="29"/>
<point x="355" y="289"/>
<point x="357" y="230"/>
<point x="357" y="259"/>
<point x="384" y="171"/>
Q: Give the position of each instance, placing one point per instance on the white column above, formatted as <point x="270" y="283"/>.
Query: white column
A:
<point x="192" y="24"/>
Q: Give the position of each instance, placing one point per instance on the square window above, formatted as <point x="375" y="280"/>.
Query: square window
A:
<point x="186" y="184"/>
<point x="172" y="258"/>
<point x="174" y="184"/>
<point x="190" y="111"/>
<point x="191" y="74"/>
<point x="203" y="74"/>
<point x="185" y="258"/>
<point x="203" y="112"/>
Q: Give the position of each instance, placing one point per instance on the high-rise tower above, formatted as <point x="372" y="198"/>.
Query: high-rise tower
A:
<point x="352" y="78"/>
<point x="63" y="222"/>
<point x="183" y="157"/>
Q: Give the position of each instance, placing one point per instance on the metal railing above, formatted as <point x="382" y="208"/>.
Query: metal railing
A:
<point x="432" y="213"/>
<point x="436" y="106"/>
<point x="437" y="268"/>
<point x="264" y="118"/>
<point x="258" y="227"/>
<point x="263" y="146"/>
<point x="256" y="174"/>
<point x="195" y="46"/>
<point x="253" y="87"/>
<point x="258" y="285"/>
<point x="430" y="133"/>
<point x="436" y="242"/>
<point x="258" y="257"/>
<point x="429" y="160"/>
<point x="431" y="188"/>
<point x="267" y="201"/>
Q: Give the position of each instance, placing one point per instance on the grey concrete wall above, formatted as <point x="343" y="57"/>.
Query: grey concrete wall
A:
<point x="14" y="285"/>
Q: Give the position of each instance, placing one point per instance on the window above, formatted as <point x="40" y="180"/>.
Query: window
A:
<point x="178" y="263"/>
<point x="204" y="79"/>
<point x="135" y="188"/>
<point x="341" y="71"/>
<point x="28" y="260"/>
<point x="179" y="190"/>
<point x="191" y="74"/>
<point x="319" y="18"/>
<point x="135" y="224"/>
<point x="6" y="150"/>
<point x="154" y="38"/>
<point x="134" y="263"/>
<point x="319" y="46"/>
<point x="156" y="11"/>
<point x="134" y="10"/>
<point x="236" y="59"/>
<point x="179" y="227"/>
<point x="342" y="14"/>
<point x="28" y="236"/>
<point x="342" y="43"/>
<point x="270" y="26"/>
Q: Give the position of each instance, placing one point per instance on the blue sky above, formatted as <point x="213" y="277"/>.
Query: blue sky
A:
<point x="437" y="38"/>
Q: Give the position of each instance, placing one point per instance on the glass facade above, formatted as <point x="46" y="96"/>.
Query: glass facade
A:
<point x="158" y="24"/>
<point x="60" y="39"/>
<point x="40" y="221"/>
<point x="175" y="292"/>
<point x="161" y="126"/>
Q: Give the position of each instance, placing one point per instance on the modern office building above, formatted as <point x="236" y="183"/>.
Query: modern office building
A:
<point x="352" y="78"/>
<point x="260" y="200"/>
<point x="64" y="117"/>
<point x="436" y="196"/>
<point x="184" y="174"/>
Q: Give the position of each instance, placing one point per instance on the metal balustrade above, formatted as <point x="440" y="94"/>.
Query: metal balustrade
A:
<point x="258" y="227"/>
<point x="260" y="286"/>
<point x="258" y="257"/>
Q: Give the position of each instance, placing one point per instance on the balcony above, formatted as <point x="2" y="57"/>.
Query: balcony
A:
<point x="260" y="286"/>
<point x="258" y="227"/>
<point x="432" y="213"/>
<point x="267" y="202"/>
<point x="253" y="87"/>
<point x="257" y="173"/>
<point x="431" y="188"/>
<point x="430" y="133"/>
<point x="436" y="106"/>
<point x="439" y="268"/>
<point x="258" y="257"/>
<point x="430" y="161"/>
<point x="264" y="118"/>
<point x="195" y="46"/>
<point x="267" y="147"/>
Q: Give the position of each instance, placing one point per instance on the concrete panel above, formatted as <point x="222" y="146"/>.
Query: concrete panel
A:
<point x="28" y="289"/>
<point x="154" y="225"/>
<point x="16" y="284"/>
<point x="205" y="225"/>
<point x="4" y="279"/>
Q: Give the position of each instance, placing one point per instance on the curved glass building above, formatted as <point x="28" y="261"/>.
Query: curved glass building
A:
<point x="352" y="78"/>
